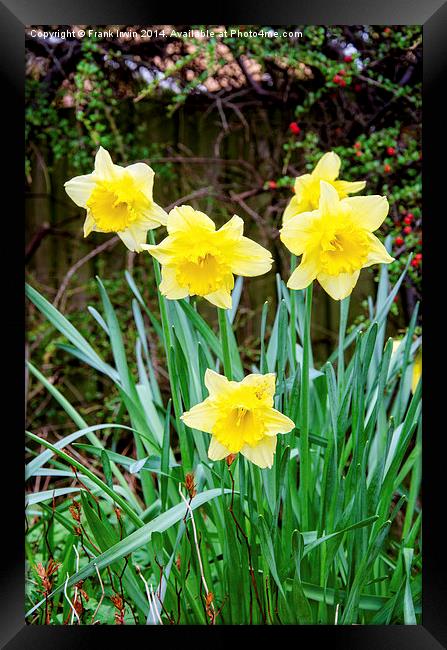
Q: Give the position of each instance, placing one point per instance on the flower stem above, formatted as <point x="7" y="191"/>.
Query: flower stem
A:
<point x="223" y="328"/>
<point x="305" y="403"/>
<point x="293" y="315"/>
<point x="175" y="392"/>
<point x="344" y="309"/>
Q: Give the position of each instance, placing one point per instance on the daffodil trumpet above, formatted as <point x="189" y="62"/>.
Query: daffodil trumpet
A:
<point x="240" y="417"/>
<point x="336" y="241"/>
<point x="118" y="199"/>
<point x="197" y="259"/>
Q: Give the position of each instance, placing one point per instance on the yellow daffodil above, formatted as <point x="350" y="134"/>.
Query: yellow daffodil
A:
<point x="307" y="186"/>
<point x="336" y="241"/>
<point x="199" y="260"/>
<point x="118" y="199"/>
<point x="417" y="370"/>
<point x="240" y="417"/>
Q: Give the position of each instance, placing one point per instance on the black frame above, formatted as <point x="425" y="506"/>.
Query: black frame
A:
<point x="432" y="14"/>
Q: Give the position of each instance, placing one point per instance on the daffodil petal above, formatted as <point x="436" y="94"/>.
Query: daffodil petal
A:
<point x="216" y="384"/>
<point x="79" y="189"/>
<point x="348" y="187"/>
<point x="300" y="184"/>
<point x="377" y="254"/>
<point x="338" y="286"/>
<point x="368" y="211"/>
<point x="132" y="239"/>
<point x="265" y="385"/>
<point x="329" y="200"/>
<point x="155" y="216"/>
<point x="163" y="252"/>
<point x="262" y="455"/>
<point x="275" y="422"/>
<point x="220" y="298"/>
<point x="216" y="451"/>
<point x="417" y="371"/>
<point x="304" y="274"/>
<point x="169" y="286"/>
<point x="135" y="235"/>
<point x="234" y="227"/>
<point x="202" y="416"/>
<point x="89" y="224"/>
<point x="104" y="167"/>
<point x="292" y="209"/>
<point x="296" y="232"/>
<point x="328" y="167"/>
<point x="184" y="218"/>
<point x="143" y="177"/>
<point x="249" y="258"/>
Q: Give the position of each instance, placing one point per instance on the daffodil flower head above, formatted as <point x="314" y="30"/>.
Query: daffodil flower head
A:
<point x="307" y="186"/>
<point x="199" y="260"/>
<point x="240" y="417"/>
<point x="118" y="199"/>
<point x="336" y="241"/>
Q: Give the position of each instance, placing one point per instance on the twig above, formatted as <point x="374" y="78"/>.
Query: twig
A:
<point x="151" y="598"/>
<point x="76" y="588"/>
<point x="102" y="595"/>
<point x="155" y="606"/>
<point x="198" y="552"/>
<point x="96" y="251"/>
<point x="69" y="601"/>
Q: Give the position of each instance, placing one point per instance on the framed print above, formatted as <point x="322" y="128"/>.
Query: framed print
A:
<point x="223" y="325"/>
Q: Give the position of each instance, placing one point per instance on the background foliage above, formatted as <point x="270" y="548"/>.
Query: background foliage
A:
<point x="212" y="117"/>
<point x="227" y="125"/>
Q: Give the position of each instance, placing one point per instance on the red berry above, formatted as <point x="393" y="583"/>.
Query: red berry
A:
<point x="272" y="185"/>
<point x="387" y="169"/>
<point x="387" y="30"/>
<point x="391" y="151"/>
<point x="357" y="88"/>
<point x="347" y="58"/>
<point x="358" y="154"/>
<point x="418" y="256"/>
<point x="407" y="230"/>
<point x="357" y="145"/>
<point x="294" y="128"/>
<point x="399" y="241"/>
<point x="408" y="220"/>
<point x="342" y="72"/>
<point x="396" y="298"/>
<point x="410" y="216"/>
<point x="342" y="83"/>
<point x="336" y="79"/>
<point x="414" y="263"/>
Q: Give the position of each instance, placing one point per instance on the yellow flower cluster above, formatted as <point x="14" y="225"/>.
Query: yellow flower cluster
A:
<point x="330" y="230"/>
